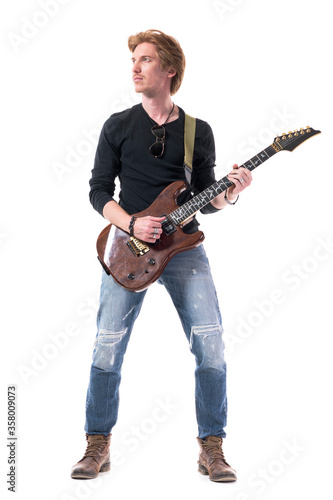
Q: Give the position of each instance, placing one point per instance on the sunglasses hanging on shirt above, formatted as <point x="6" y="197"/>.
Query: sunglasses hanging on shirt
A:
<point x="157" y="149"/>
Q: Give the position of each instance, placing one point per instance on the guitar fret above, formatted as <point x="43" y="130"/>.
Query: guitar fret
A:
<point x="200" y="200"/>
<point x="263" y="155"/>
<point x="256" y="161"/>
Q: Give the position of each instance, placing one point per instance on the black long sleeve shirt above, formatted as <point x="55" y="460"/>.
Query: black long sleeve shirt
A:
<point x="123" y="151"/>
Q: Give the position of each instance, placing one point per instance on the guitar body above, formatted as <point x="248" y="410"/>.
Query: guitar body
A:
<point x="134" y="264"/>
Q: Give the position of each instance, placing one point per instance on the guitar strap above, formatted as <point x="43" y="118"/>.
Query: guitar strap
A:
<point x="189" y="138"/>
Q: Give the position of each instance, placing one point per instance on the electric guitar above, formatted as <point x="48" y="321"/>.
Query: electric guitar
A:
<point x="135" y="264"/>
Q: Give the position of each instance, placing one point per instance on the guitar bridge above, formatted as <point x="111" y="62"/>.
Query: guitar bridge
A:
<point x="137" y="247"/>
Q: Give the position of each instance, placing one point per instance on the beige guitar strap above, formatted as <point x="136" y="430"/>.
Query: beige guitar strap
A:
<point x="189" y="138"/>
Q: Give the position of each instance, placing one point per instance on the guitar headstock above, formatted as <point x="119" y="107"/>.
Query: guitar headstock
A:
<point x="291" y="140"/>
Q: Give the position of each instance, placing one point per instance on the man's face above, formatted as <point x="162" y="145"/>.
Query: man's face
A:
<point x="148" y="77"/>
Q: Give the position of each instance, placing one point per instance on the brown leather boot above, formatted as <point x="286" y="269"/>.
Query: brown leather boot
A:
<point x="212" y="462"/>
<point x="96" y="458"/>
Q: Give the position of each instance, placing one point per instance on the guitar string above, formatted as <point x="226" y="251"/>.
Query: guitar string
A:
<point x="224" y="182"/>
<point x="200" y="200"/>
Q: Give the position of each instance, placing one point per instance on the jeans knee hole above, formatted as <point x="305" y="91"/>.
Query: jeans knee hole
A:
<point x="203" y="332"/>
<point x="109" y="338"/>
<point x="207" y="345"/>
<point x="106" y="350"/>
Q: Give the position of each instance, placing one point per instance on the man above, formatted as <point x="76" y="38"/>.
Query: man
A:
<point x="146" y="163"/>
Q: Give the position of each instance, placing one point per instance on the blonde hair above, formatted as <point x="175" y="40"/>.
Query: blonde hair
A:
<point x="169" y="51"/>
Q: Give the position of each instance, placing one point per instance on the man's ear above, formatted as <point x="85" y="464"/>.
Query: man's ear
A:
<point x="171" y="72"/>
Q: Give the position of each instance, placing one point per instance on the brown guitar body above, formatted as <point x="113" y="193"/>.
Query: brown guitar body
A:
<point x="136" y="271"/>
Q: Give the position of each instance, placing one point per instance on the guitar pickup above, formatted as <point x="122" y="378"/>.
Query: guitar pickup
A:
<point x="137" y="247"/>
<point x="168" y="226"/>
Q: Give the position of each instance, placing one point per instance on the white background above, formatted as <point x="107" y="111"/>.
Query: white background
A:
<point x="255" y="69"/>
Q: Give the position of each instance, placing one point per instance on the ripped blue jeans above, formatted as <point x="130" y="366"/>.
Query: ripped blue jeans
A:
<point x="188" y="280"/>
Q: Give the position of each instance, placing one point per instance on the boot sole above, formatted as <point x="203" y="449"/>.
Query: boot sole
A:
<point x="222" y="479"/>
<point x="82" y="475"/>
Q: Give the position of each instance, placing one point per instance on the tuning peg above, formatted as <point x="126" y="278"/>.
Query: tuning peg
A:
<point x="302" y="131"/>
<point x="308" y="128"/>
<point x="296" y="132"/>
<point x="283" y="136"/>
<point x="290" y="134"/>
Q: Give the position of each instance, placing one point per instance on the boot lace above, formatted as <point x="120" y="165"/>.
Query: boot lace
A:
<point x="215" y="451"/>
<point x="94" y="450"/>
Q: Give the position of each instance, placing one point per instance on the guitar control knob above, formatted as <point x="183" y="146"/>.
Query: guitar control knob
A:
<point x="151" y="262"/>
<point x="130" y="276"/>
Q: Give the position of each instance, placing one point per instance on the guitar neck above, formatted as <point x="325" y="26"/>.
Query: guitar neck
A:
<point x="192" y="206"/>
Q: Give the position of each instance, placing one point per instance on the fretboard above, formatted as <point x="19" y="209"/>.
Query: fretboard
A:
<point x="200" y="200"/>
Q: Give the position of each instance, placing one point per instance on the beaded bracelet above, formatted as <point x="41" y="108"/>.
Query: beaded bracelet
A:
<point x="131" y="226"/>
